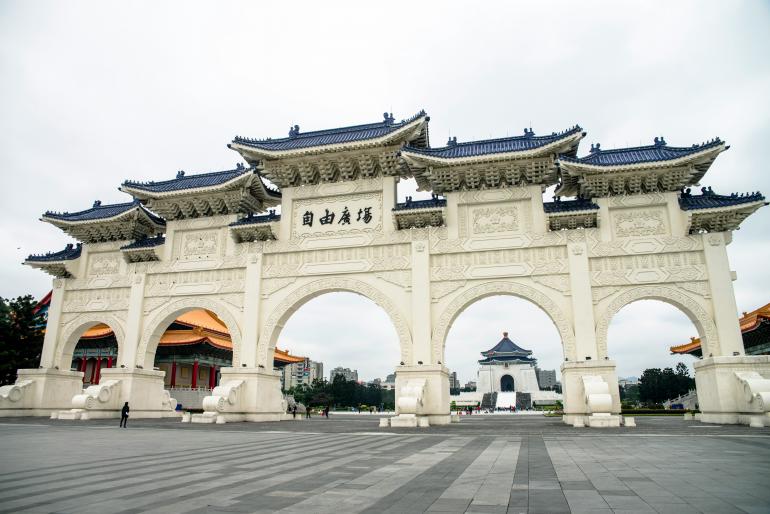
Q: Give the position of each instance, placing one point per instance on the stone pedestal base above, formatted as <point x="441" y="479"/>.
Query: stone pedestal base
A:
<point x="733" y="390"/>
<point x="39" y="392"/>
<point x="244" y="394"/>
<point x="575" y="405"/>
<point x="434" y="400"/>
<point x="602" y="421"/>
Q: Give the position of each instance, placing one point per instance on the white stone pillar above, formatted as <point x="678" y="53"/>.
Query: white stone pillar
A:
<point x="452" y="221"/>
<point x="287" y="205"/>
<point x="53" y="326"/>
<point x="127" y="356"/>
<point x="538" y="212"/>
<point x="388" y="203"/>
<point x="605" y="225"/>
<point x="250" y="319"/>
<point x="725" y="310"/>
<point x="421" y="315"/>
<point x="582" y="303"/>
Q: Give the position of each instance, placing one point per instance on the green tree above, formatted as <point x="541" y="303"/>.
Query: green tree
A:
<point x="21" y="337"/>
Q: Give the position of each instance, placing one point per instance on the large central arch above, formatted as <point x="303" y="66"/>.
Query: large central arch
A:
<point x="700" y="318"/>
<point x="304" y="293"/>
<point x="459" y="304"/>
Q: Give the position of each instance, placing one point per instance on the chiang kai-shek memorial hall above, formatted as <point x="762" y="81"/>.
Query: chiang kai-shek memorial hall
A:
<point x="628" y="224"/>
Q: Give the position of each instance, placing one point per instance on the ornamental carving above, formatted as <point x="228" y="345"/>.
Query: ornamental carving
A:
<point x="441" y="289"/>
<point x="557" y="282"/>
<point x="159" y="323"/>
<point x="401" y="279"/>
<point x="699" y="288"/>
<point x="96" y="300"/>
<point x="461" y="302"/>
<point x="280" y="314"/>
<point x="203" y="282"/>
<point x="270" y="286"/>
<point x="636" y="200"/>
<point x="600" y="293"/>
<point x="639" y="223"/>
<point x="200" y="245"/>
<point x="495" y="219"/>
<point x="697" y="314"/>
<point x="104" y="266"/>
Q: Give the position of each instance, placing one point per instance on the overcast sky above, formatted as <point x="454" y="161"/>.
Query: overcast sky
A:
<point x="93" y="93"/>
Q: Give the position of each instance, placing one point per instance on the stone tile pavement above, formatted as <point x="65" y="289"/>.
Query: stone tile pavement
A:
<point x="510" y="464"/>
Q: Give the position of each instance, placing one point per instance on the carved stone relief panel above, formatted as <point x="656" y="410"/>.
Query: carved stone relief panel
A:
<point x="338" y="188"/>
<point x="200" y="245"/>
<point x="488" y="220"/>
<point x="636" y="200"/>
<point x="500" y="263"/>
<point x="196" y="282"/>
<point x="96" y="300"/>
<point x="103" y="265"/>
<point x="639" y="222"/>
<point x="337" y="260"/>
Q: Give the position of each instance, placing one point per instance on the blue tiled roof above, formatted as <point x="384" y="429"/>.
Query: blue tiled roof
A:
<point x="147" y="242"/>
<point x="183" y="182"/>
<point x="69" y="253"/>
<point x="506" y="346"/>
<point x="251" y="220"/>
<point x="528" y="141"/>
<point x="710" y="200"/>
<point x="658" y="151"/>
<point x="99" y="211"/>
<point x="297" y="139"/>
<point x="578" y="204"/>
<point x="420" y="204"/>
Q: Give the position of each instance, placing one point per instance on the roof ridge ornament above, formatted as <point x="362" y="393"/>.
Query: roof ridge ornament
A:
<point x="388" y="118"/>
<point x="528" y="132"/>
<point x="452" y="141"/>
<point x="240" y="166"/>
<point x="660" y="141"/>
<point x="180" y="174"/>
<point x="294" y="131"/>
<point x="97" y="203"/>
<point x="596" y="148"/>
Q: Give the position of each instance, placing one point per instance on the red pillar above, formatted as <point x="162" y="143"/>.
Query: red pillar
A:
<point x="195" y="374"/>
<point x="83" y="364"/>
<point x="109" y="361"/>
<point x="173" y="374"/>
<point x="212" y="377"/>
<point x="93" y="374"/>
<point x="98" y="369"/>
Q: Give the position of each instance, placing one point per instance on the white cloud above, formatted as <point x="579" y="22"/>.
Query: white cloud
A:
<point x="97" y="92"/>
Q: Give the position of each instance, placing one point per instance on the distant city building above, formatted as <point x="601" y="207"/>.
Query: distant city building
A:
<point x="453" y="382"/>
<point x="303" y="372"/>
<point x="390" y="382"/>
<point x="470" y="385"/>
<point x="628" y="381"/>
<point x="346" y="373"/>
<point x="376" y="381"/>
<point x="546" y="378"/>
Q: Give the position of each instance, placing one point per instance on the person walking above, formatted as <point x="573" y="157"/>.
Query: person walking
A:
<point x="307" y="412"/>
<point x="124" y="415"/>
<point x="294" y="411"/>
<point x="326" y="412"/>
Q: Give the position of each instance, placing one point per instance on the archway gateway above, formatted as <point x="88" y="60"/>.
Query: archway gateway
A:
<point x="633" y="230"/>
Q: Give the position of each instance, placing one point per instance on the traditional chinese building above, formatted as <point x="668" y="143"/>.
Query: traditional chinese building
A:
<point x="626" y="226"/>
<point x="191" y="351"/>
<point x="755" y="330"/>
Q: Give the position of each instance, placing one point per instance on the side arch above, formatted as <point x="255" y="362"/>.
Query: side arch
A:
<point x="154" y="329"/>
<point x="304" y="293"/>
<point x="700" y="318"/>
<point x="74" y="330"/>
<point x="460" y="303"/>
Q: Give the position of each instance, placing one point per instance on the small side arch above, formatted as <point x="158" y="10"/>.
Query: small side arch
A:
<point x="306" y="292"/>
<point x="74" y="330"/>
<point x="461" y="302"/>
<point x="154" y="329"/>
<point x="700" y="318"/>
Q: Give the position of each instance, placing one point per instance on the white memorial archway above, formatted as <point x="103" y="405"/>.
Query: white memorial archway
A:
<point x="631" y="230"/>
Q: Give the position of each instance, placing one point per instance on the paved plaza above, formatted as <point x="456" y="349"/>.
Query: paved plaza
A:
<point x="485" y="464"/>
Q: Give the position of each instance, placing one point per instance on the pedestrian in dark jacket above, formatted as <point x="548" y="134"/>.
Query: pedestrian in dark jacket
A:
<point x="124" y="415"/>
<point x="307" y="411"/>
<point x="294" y="411"/>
